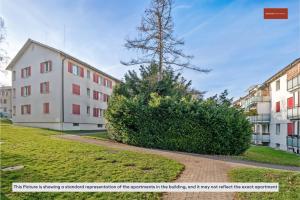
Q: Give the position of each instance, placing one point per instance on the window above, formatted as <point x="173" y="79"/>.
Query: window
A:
<point x="14" y="111"/>
<point x="75" y="124"/>
<point x="25" y="72"/>
<point x="101" y="112"/>
<point x="25" y="91"/>
<point x="105" y="97"/>
<point x="99" y="125"/>
<point x="277" y="145"/>
<point x="76" y="109"/>
<point x="46" y="66"/>
<point x="88" y="74"/>
<point x="14" y="93"/>
<point x="290" y="128"/>
<point x="88" y="110"/>
<point x="4" y="109"/>
<point x="100" y="80"/>
<point x="277" y="85"/>
<point x="107" y="83"/>
<point x="76" y="89"/>
<point x="96" y="112"/>
<point x="278" y="106"/>
<point x="88" y="92"/>
<point x="25" y="109"/>
<point x="75" y="69"/>
<point x="4" y="101"/>
<point x="277" y="129"/>
<point x="46" y="108"/>
<point x="96" y="78"/>
<point x="44" y="88"/>
<point x="95" y="95"/>
<point x="290" y="103"/>
<point x="14" y="75"/>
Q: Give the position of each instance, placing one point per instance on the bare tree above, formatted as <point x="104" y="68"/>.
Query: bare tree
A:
<point x="156" y="41"/>
<point x="3" y="53"/>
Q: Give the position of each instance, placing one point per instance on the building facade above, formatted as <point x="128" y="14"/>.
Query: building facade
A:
<point x="5" y="102"/>
<point x="274" y="110"/>
<point x="51" y="89"/>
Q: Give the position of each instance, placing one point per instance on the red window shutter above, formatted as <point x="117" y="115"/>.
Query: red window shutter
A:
<point x="47" y="87"/>
<point x="96" y="78"/>
<point x="81" y="72"/>
<point x="22" y="91"/>
<point x="29" y="71"/>
<point x="41" y="68"/>
<point x="76" y="89"/>
<point x="46" y="107"/>
<point x="22" y="110"/>
<point x="96" y="95"/>
<point x="50" y="65"/>
<point x="41" y="88"/>
<point x="76" y="109"/>
<point x="70" y="67"/>
<point x="29" y="109"/>
<point x="290" y="102"/>
<point x="22" y="73"/>
<point x="290" y="128"/>
<point x="29" y="90"/>
<point x="278" y="106"/>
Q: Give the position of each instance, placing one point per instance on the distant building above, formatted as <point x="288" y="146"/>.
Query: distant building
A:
<point x="5" y="102"/>
<point x="52" y="89"/>
<point x="274" y="109"/>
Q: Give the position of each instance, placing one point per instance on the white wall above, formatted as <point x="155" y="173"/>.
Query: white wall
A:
<point x="280" y="117"/>
<point x="33" y="56"/>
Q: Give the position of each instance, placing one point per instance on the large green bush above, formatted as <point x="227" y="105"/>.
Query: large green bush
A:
<point x="177" y="121"/>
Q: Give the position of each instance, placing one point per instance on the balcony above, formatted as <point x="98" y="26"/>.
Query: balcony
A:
<point x="263" y="118"/>
<point x="293" y="113"/>
<point x="256" y="99"/>
<point x="258" y="138"/>
<point x="293" y="84"/>
<point x="293" y="141"/>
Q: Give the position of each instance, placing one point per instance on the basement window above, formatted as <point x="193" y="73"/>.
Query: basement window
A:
<point x="75" y="124"/>
<point x="99" y="125"/>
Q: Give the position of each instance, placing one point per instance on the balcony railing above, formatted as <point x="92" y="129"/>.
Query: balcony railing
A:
<point x="256" y="99"/>
<point x="293" y="141"/>
<point x="293" y="113"/>
<point x="263" y="118"/>
<point x="293" y="83"/>
<point x="258" y="138"/>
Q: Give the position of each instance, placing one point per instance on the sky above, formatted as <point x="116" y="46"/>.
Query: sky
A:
<point x="229" y="37"/>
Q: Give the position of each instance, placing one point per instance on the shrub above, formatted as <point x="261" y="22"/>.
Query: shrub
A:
<point x="184" y="125"/>
<point x="177" y="122"/>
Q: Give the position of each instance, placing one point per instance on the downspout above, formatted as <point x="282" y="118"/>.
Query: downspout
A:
<point x="62" y="94"/>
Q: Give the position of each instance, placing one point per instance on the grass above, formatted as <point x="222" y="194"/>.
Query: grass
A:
<point x="50" y="159"/>
<point x="289" y="183"/>
<point x="270" y="155"/>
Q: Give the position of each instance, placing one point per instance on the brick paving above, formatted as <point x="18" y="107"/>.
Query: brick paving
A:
<point x="197" y="169"/>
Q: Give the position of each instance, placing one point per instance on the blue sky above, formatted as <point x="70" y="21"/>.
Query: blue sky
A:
<point x="229" y="37"/>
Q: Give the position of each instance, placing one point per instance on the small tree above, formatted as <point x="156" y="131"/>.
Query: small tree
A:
<point x="157" y="42"/>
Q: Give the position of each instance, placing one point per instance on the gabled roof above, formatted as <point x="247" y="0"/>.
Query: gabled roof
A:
<point x="282" y="71"/>
<point x="30" y="41"/>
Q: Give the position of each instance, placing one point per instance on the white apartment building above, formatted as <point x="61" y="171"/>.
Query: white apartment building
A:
<point x="276" y="119"/>
<point x="52" y="89"/>
<point x="5" y="102"/>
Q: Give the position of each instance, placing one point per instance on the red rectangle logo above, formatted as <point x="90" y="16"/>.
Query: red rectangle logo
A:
<point x="275" y="13"/>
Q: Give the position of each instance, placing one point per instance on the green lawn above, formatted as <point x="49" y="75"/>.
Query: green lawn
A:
<point x="270" y="155"/>
<point x="289" y="183"/>
<point x="49" y="159"/>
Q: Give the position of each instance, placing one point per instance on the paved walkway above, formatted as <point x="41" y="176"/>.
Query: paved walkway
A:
<point x="197" y="168"/>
